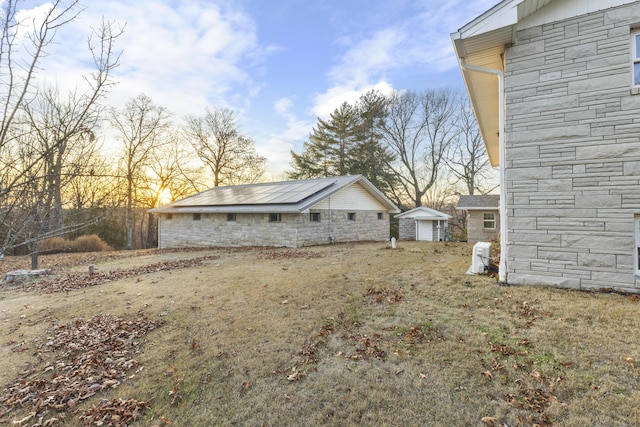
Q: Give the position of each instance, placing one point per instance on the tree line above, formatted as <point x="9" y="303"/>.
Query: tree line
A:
<point x="55" y="179"/>
<point x="419" y="148"/>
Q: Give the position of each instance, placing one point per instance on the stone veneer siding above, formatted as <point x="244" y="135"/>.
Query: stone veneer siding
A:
<point x="475" y="227"/>
<point x="573" y="153"/>
<point x="295" y="230"/>
<point x="406" y="229"/>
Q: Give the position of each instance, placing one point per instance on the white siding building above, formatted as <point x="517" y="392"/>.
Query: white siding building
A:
<point x="423" y="223"/>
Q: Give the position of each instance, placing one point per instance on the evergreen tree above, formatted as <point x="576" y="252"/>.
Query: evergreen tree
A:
<point x="330" y="144"/>
<point x="370" y="157"/>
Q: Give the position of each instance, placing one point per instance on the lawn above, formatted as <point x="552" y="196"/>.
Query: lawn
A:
<point x="339" y="335"/>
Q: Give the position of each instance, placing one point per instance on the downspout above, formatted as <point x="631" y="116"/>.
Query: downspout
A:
<point x="502" y="268"/>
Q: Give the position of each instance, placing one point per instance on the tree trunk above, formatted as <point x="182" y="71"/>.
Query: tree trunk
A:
<point x="34" y="256"/>
<point x="152" y="229"/>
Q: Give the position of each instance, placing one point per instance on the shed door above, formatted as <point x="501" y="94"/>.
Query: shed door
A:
<point x="425" y="230"/>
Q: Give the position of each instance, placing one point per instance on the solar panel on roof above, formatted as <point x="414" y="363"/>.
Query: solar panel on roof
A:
<point x="276" y="193"/>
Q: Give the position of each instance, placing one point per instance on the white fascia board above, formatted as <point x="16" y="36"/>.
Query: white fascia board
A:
<point x="501" y="15"/>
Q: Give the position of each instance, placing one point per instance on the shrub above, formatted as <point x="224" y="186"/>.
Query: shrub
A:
<point x="89" y="243"/>
<point x="53" y="245"/>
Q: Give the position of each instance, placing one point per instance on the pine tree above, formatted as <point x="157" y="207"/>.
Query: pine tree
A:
<point x="328" y="149"/>
<point x="370" y="157"/>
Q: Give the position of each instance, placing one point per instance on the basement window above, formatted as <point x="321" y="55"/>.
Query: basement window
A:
<point x="314" y="216"/>
<point x="275" y="217"/>
<point x="489" y="220"/>
<point x="351" y="216"/>
<point x="196" y="217"/>
<point x="231" y="217"/>
<point x="635" y="58"/>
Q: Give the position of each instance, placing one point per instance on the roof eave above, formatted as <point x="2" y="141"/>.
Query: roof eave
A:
<point x="478" y="208"/>
<point x="482" y="43"/>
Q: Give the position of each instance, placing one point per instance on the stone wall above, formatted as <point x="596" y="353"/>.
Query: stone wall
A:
<point x="573" y="153"/>
<point x="294" y="230"/>
<point x="407" y="229"/>
<point x="475" y="227"/>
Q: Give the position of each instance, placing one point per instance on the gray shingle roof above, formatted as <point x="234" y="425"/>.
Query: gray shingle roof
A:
<point x="488" y="201"/>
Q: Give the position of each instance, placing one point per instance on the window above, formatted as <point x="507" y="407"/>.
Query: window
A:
<point x="169" y="216"/>
<point x="635" y="57"/>
<point x="275" y="217"/>
<point x="196" y="217"/>
<point x="489" y="220"/>
<point x="314" y="217"/>
<point x="380" y="215"/>
<point x="351" y="216"/>
<point x="231" y="217"/>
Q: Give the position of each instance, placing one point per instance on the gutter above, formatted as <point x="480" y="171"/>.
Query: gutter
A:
<point x="502" y="268"/>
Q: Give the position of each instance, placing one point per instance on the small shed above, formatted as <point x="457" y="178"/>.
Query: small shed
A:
<point x="483" y="216"/>
<point x="423" y="223"/>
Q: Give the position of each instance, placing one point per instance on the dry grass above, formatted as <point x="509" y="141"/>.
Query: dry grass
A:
<point x="351" y="335"/>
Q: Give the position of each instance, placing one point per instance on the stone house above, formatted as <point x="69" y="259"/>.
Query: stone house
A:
<point x="288" y="213"/>
<point x="555" y="86"/>
<point x="423" y="223"/>
<point x="482" y="216"/>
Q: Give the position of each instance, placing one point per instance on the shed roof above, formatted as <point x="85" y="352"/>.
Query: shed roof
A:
<point x="483" y="42"/>
<point x="284" y="196"/>
<point x="475" y="202"/>
<point x="423" y="213"/>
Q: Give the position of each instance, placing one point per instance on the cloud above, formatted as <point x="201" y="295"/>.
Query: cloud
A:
<point x="421" y="41"/>
<point x="184" y="54"/>
<point x="278" y="146"/>
<point x="283" y="107"/>
<point x="328" y="101"/>
<point x="368" y="57"/>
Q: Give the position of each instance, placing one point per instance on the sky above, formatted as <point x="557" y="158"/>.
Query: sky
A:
<point x="278" y="64"/>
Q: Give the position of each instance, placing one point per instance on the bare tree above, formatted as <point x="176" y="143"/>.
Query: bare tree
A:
<point x="468" y="160"/>
<point x="168" y="172"/>
<point x="49" y="133"/>
<point x="230" y="156"/>
<point x="418" y="129"/>
<point x="141" y="126"/>
<point x="92" y="185"/>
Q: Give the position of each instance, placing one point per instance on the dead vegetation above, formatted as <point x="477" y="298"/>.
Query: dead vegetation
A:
<point x="79" y="360"/>
<point x="337" y="335"/>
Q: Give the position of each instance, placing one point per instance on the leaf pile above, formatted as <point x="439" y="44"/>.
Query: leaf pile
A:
<point x="291" y="254"/>
<point x="87" y="356"/>
<point x="66" y="260"/>
<point x="115" y="412"/>
<point x="84" y="280"/>
<point x="391" y="296"/>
